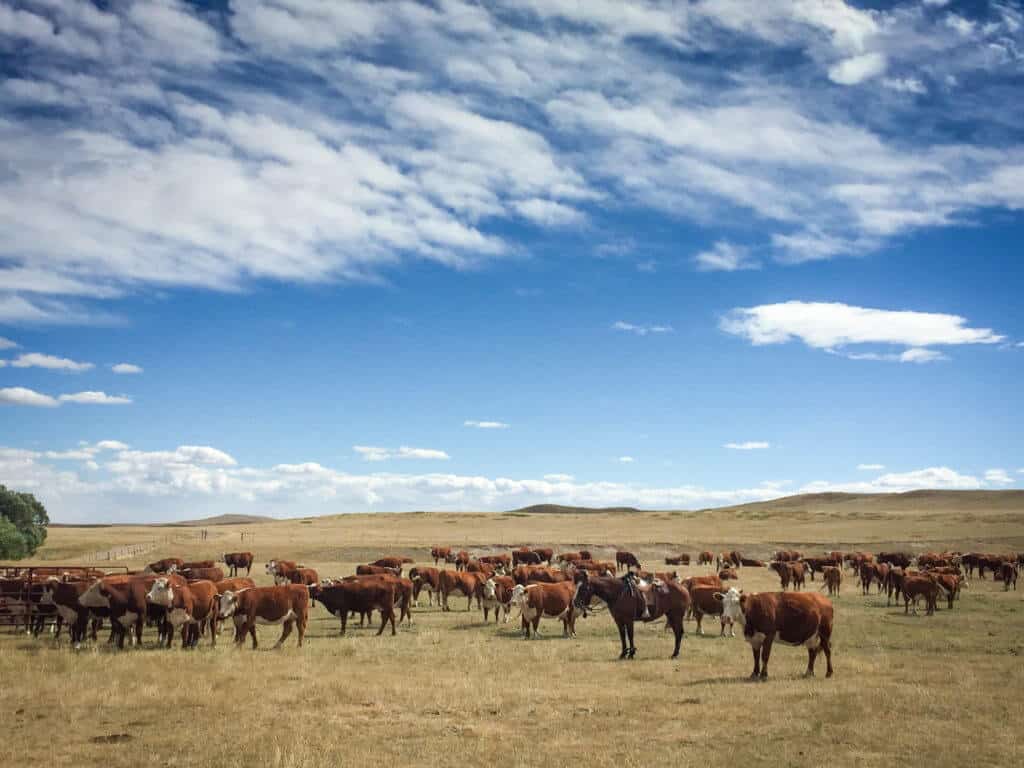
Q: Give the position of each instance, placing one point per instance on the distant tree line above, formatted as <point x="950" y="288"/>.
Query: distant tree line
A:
<point x="23" y="522"/>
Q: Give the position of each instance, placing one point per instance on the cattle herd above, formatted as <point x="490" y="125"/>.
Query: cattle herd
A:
<point x="193" y="599"/>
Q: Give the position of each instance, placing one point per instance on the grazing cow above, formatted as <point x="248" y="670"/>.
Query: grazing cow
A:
<point x="703" y="602"/>
<point x="287" y="605"/>
<point x="643" y="602"/>
<point x="376" y="570"/>
<point x="188" y="606"/>
<point x="425" y="579"/>
<point x="899" y="559"/>
<point x="362" y="595"/>
<point x="551" y="600"/>
<point x="833" y="578"/>
<point x="165" y="565"/>
<point x="544" y="553"/>
<point x="678" y="560"/>
<point x="727" y="573"/>
<point x="202" y="574"/>
<point x="394" y="563"/>
<point x="855" y="559"/>
<point x="1008" y="573"/>
<point x="440" y="554"/>
<point x="125" y="599"/>
<point x="705" y="558"/>
<point x="458" y="581"/>
<point x="916" y="586"/>
<point x="496" y="593"/>
<point x="627" y="560"/>
<point x="796" y="619"/>
<point x="236" y="561"/>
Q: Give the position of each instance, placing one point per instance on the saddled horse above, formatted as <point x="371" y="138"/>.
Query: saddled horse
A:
<point x="671" y="600"/>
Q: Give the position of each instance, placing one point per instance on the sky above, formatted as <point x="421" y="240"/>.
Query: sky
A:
<point x="298" y="257"/>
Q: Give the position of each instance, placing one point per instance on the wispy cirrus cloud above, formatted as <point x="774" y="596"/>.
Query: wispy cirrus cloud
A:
<point x="724" y="256"/>
<point x="871" y="467"/>
<point x="640" y="330"/>
<point x="485" y="424"/>
<point x="376" y="453"/>
<point x="749" y="445"/>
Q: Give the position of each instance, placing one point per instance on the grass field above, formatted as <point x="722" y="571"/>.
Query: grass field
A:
<point x="449" y="690"/>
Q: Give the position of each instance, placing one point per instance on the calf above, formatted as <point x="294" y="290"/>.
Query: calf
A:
<point x="188" y="606"/>
<point x="705" y="558"/>
<point x="287" y="605"/>
<point x="440" y="554"/>
<point x="551" y="600"/>
<point x="236" y="561"/>
<point x="1008" y="573"/>
<point x="496" y="593"/>
<point x="833" y="577"/>
<point x="456" y="581"/>
<point x="703" y="601"/>
<point x="794" y="618"/>
<point x="916" y="586"/>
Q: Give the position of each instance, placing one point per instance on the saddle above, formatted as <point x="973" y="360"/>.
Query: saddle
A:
<point x="646" y="591"/>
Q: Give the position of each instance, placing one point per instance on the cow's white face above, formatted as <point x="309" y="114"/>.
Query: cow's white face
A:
<point x="93" y="597"/>
<point x="161" y="593"/>
<point x="490" y="589"/>
<point x="228" y="604"/>
<point x="272" y="568"/>
<point x="731" y="608"/>
<point x="519" y="595"/>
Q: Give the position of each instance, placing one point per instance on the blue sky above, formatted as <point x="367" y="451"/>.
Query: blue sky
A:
<point x="291" y="257"/>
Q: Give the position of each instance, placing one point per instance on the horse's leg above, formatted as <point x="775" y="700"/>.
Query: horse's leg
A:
<point x="622" y="637"/>
<point x="632" y="645"/>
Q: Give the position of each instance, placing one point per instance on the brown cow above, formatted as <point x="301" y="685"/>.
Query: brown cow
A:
<point x="376" y="570"/>
<point x="568" y="557"/>
<point x="705" y="558"/>
<point x="873" y="572"/>
<point x="236" y="561"/>
<point x="727" y="573"/>
<point x="165" y="565"/>
<point x="551" y="600"/>
<point x="202" y="574"/>
<point x="544" y="553"/>
<point x="235" y="585"/>
<point x="893" y="585"/>
<point x="64" y="597"/>
<point x="403" y="598"/>
<point x="440" y="553"/>
<point x="703" y="602"/>
<point x="392" y="562"/>
<point x="461" y="560"/>
<point x="916" y="586"/>
<point x="798" y="619"/>
<point x="188" y="606"/>
<point x="475" y="566"/>
<point x="125" y="599"/>
<point x="788" y="555"/>
<point x="287" y="605"/>
<point x="627" y="560"/>
<point x="196" y="564"/>
<point x="950" y="584"/>
<point x="504" y="561"/>
<point x="525" y="556"/>
<point x="750" y="562"/>
<point x="833" y="578"/>
<point x="596" y="566"/>
<point x="425" y="579"/>
<point x="496" y="593"/>
<point x="362" y="595"/>
<point x="781" y="567"/>
<point x="678" y="560"/>
<point x="1008" y="573"/>
<point x="585" y="554"/>
<point x="458" y="581"/>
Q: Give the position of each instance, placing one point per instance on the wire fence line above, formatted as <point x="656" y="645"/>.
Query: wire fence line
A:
<point x="128" y="551"/>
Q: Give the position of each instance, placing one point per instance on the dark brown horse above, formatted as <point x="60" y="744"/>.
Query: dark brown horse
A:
<point x="671" y="601"/>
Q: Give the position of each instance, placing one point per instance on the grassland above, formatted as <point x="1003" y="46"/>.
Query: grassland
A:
<point x="449" y="690"/>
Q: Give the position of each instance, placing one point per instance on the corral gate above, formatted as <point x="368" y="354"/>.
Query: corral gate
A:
<point x="21" y="585"/>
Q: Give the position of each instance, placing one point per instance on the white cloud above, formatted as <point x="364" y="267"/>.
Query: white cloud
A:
<point x="725" y="257"/>
<point x="626" y="460"/>
<point x="111" y="445"/>
<point x="641" y="330"/>
<point x="125" y="368"/>
<point x="998" y="477"/>
<point x="486" y="424"/>
<point x="95" y="398"/>
<point x="375" y="453"/>
<point x="556" y="477"/>
<point x="750" y="445"/>
<point x="36" y="360"/>
<point x="871" y="467"/>
<point x="548" y="213"/>
<point x="23" y="396"/>
<point x="857" y="69"/>
<point x="905" y="85"/>
<point x="833" y="326"/>
<point x="941" y="478"/>
<point x="7" y="343"/>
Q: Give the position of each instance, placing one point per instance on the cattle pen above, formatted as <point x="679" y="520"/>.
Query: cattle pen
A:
<point x="19" y="585"/>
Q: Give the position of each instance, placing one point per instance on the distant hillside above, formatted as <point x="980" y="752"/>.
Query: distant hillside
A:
<point x="558" y="509"/>
<point x="225" y="520"/>
<point x="911" y="501"/>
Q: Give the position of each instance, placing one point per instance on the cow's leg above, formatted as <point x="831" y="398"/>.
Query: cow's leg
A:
<point x="766" y="651"/>
<point x="826" y="647"/>
<point x="526" y="628"/>
<point x="756" y="649"/>
<point x="699" y="617"/>
<point x="536" y="625"/>
<point x="677" y="628"/>
<point x="286" y="630"/>
<point x="343" y="614"/>
<point x="469" y="602"/>
<point x="252" y="631"/>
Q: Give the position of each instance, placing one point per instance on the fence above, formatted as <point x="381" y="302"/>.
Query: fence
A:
<point x="128" y="551"/>
<point x="21" y="587"/>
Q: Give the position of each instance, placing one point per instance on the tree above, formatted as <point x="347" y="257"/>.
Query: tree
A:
<point x="23" y="522"/>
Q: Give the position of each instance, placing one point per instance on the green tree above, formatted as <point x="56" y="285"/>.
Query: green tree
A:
<point x="23" y="522"/>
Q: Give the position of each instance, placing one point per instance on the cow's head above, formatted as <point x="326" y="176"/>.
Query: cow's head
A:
<point x="732" y="604"/>
<point x="173" y="568"/>
<point x="272" y="568"/>
<point x="227" y="604"/>
<point x="519" y="595"/>
<point x="96" y="596"/>
<point x="161" y="593"/>
<point x="490" y="590"/>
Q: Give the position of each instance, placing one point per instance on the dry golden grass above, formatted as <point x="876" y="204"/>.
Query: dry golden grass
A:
<point x="448" y="690"/>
